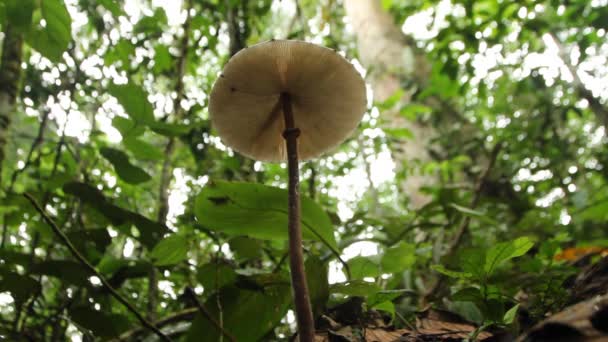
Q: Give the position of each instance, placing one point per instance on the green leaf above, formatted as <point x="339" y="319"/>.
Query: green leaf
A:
<point x="386" y="295"/>
<point x="387" y="306"/>
<point x="318" y="285"/>
<point x="245" y="248"/>
<point x="510" y="315"/>
<point x="213" y="276"/>
<point x="162" y="59"/>
<point x="258" y="211"/>
<point x="127" y="127"/>
<point x="452" y="274"/>
<point x="398" y="258"/>
<point x="101" y="324"/>
<point x="169" y="129"/>
<point x="51" y="41"/>
<point x="142" y="150"/>
<point x="468" y="294"/>
<point x="123" y="167"/>
<point x="502" y="252"/>
<point x="472" y="261"/>
<point x="19" y="14"/>
<point x="412" y="110"/>
<point x="357" y="288"/>
<point x="472" y="213"/>
<point x="135" y="102"/>
<point x="248" y="315"/>
<point x="112" y="6"/>
<point x="20" y="286"/>
<point x="150" y="232"/>
<point x="170" y="250"/>
<point x="364" y="266"/>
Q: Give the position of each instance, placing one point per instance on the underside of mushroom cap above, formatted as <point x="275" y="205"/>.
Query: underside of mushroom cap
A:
<point x="327" y="95"/>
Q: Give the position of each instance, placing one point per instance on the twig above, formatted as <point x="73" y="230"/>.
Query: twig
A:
<point x="203" y="310"/>
<point x="92" y="269"/>
<point x="464" y="225"/>
<point x="186" y="314"/>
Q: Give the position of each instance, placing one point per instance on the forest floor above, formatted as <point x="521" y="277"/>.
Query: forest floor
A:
<point x="585" y="318"/>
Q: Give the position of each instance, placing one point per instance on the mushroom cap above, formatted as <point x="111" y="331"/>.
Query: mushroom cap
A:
<point x="328" y="99"/>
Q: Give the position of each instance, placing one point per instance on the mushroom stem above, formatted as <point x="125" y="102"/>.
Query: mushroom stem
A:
<point x="299" y="285"/>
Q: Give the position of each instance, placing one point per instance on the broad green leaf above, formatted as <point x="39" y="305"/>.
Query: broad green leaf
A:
<point x="258" y="211"/>
<point x="504" y="251"/>
<point x="19" y="14"/>
<point x="213" y="276"/>
<point x="247" y="315"/>
<point x="357" y="288"/>
<point x="21" y="287"/>
<point x="87" y="239"/>
<point x="127" y="127"/>
<point x="387" y="306"/>
<point x="150" y="232"/>
<point x="142" y="150"/>
<point x="468" y="294"/>
<point x="152" y="24"/>
<point x="245" y="248"/>
<point x="170" y="250"/>
<point x="70" y="272"/>
<point x="123" y="167"/>
<point x="398" y="258"/>
<point x="53" y="39"/>
<point x="472" y="261"/>
<point x="135" y="102"/>
<point x="318" y="285"/>
<point x="510" y="315"/>
<point x="364" y="266"/>
<point x="387" y="296"/>
<point x="102" y="324"/>
<point x="453" y="274"/>
<point x="120" y="52"/>
<point x="169" y="129"/>
<point x="162" y="59"/>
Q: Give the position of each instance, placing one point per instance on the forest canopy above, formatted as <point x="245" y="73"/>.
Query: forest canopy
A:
<point x="470" y="202"/>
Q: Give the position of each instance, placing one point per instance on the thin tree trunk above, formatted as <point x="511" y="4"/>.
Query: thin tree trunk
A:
<point x="10" y="75"/>
<point x="392" y="60"/>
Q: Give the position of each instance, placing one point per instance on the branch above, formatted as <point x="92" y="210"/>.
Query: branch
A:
<point x="203" y="310"/>
<point x="464" y="225"/>
<point x="92" y="269"/>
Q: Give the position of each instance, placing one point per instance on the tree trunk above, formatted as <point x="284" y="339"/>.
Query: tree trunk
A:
<point x="10" y="74"/>
<point x="392" y="62"/>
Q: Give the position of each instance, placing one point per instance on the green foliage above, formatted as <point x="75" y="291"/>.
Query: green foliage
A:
<point x="258" y="211"/>
<point x="170" y="250"/>
<point x="52" y="39"/>
<point x="152" y="198"/>
<point x="248" y="314"/>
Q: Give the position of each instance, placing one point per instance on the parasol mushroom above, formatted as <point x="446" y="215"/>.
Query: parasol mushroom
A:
<point x="288" y="100"/>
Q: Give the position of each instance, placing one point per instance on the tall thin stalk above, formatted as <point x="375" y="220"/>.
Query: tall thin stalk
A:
<point x="306" y="328"/>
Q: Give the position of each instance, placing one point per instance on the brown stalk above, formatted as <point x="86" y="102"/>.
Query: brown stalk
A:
<point x="306" y="327"/>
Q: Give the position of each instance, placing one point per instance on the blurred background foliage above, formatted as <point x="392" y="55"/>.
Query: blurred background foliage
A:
<point x="104" y="121"/>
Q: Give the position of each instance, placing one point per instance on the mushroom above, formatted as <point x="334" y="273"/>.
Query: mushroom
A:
<point x="288" y="100"/>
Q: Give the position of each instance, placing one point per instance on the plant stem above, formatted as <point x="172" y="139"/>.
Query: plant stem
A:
<point x="299" y="285"/>
<point x="66" y="241"/>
